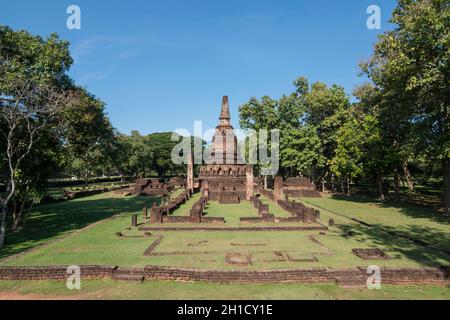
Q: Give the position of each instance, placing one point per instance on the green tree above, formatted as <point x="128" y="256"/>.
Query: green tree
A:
<point x="120" y="153"/>
<point x="326" y="112"/>
<point x="360" y="150"/>
<point x="301" y="151"/>
<point x="410" y="67"/>
<point x="141" y="155"/>
<point x="36" y="100"/>
<point x="32" y="94"/>
<point x="308" y="120"/>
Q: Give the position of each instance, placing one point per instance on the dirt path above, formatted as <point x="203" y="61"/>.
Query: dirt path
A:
<point x="32" y="296"/>
<point x="14" y="295"/>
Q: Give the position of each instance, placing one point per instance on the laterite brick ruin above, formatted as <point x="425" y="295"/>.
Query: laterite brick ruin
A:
<point x="226" y="180"/>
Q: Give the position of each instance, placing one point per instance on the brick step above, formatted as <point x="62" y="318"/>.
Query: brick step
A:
<point x="128" y="277"/>
<point x="351" y="281"/>
<point x="129" y="274"/>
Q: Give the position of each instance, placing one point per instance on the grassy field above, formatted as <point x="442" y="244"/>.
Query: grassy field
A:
<point x="58" y="192"/>
<point x="232" y="213"/>
<point x="56" y="220"/>
<point x="387" y="218"/>
<point x="159" y="290"/>
<point x="60" y="227"/>
<point x="207" y="249"/>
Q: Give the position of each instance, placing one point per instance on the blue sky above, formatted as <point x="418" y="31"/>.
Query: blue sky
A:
<point x="161" y="65"/>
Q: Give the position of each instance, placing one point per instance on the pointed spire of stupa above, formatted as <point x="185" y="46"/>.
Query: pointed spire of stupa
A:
<point x="225" y="112"/>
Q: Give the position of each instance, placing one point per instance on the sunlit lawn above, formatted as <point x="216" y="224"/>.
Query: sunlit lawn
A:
<point x="387" y="217"/>
<point x="158" y="290"/>
<point x="99" y="244"/>
<point x="207" y="249"/>
<point x="52" y="221"/>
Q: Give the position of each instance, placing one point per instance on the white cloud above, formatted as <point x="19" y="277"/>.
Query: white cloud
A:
<point x="127" y="54"/>
<point x="93" y="76"/>
<point x="89" y="45"/>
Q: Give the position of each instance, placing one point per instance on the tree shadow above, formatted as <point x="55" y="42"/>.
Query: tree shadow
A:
<point x="49" y="221"/>
<point x="424" y="253"/>
<point x="410" y="210"/>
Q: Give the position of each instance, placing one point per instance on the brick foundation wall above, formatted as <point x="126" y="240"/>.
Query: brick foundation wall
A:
<point x="215" y="195"/>
<point x="54" y="273"/>
<point x="213" y="220"/>
<point x="233" y="229"/>
<point x="354" y="276"/>
<point x="257" y="219"/>
<point x="176" y="219"/>
<point x="290" y="219"/>
<point x="302" y="193"/>
<point x="69" y="195"/>
<point x="267" y="193"/>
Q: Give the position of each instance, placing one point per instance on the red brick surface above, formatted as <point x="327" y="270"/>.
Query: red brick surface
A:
<point x="355" y="276"/>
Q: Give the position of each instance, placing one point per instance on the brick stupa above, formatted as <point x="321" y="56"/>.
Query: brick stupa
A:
<point x="226" y="178"/>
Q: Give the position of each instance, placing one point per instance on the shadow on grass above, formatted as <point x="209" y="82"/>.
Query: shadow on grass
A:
<point x="429" y="253"/>
<point x="50" y="221"/>
<point x="411" y="210"/>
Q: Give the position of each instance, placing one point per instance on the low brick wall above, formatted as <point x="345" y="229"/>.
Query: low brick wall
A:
<point x="70" y="195"/>
<point x="301" y="193"/>
<point x="268" y="219"/>
<point x="176" y="219"/>
<point x="290" y="219"/>
<point x="54" y="273"/>
<point x="415" y="276"/>
<point x="87" y="193"/>
<point x="353" y="276"/>
<point x="213" y="220"/>
<point x="267" y="193"/>
<point x="233" y="229"/>
<point x="299" y="210"/>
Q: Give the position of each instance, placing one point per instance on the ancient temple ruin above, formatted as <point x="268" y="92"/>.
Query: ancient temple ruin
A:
<point x="299" y="187"/>
<point x="151" y="187"/>
<point x="226" y="178"/>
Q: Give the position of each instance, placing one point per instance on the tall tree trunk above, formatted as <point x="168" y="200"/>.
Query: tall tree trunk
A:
<point x="447" y="185"/>
<point x="4" y="206"/>
<point x="3" y="225"/>
<point x="15" y="216"/>
<point x="348" y="186"/>
<point x="428" y="173"/>
<point x="408" y="176"/>
<point x="402" y="181"/>
<point x="445" y="128"/>
<point x="18" y="219"/>
<point x="16" y="223"/>
<point x="86" y="178"/>
<point x="380" y="186"/>
<point x="18" y="209"/>
<point x="396" y="184"/>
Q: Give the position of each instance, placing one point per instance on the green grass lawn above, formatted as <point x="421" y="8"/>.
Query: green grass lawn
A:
<point x="386" y="218"/>
<point x="99" y="244"/>
<point x="52" y="221"/>
<point x="58" y="192"/>
<point x="233" y="212"/>
<point x="207" y="249"/>
<point x="159" y="290"/>
<point x="176" y="192"/>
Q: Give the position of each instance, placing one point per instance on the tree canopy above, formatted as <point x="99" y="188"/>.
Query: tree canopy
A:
<point x="43" y="115"/>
